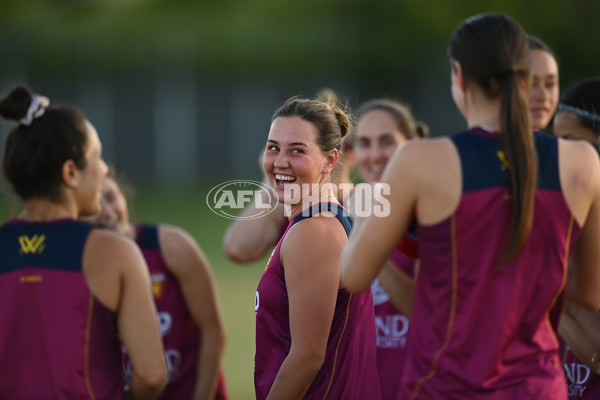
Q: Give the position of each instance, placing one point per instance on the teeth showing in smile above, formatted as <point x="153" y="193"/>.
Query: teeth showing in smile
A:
<point x="285" y="178"/>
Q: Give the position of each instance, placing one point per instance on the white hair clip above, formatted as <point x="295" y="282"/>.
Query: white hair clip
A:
<point x="36" y="109"/>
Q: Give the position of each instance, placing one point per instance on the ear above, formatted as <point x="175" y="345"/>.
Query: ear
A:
<point x="332" y="158"/>
<point x="70" y="174"/>
<point x="459" y="76"/>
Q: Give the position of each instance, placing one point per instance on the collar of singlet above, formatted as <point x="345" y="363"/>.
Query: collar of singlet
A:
<point x="483" y="131"/>
<point x="338" y="209"/>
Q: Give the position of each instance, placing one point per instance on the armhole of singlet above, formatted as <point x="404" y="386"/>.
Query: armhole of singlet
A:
<point x="341" y="214"/>
<point x="147" y="236"/>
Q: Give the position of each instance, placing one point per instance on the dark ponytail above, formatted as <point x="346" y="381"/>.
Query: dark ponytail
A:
<point x="519" y="149"/>
<point x="493" y="52"/>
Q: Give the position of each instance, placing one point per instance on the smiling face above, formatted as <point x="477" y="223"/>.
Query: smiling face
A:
<point x="543" y="93"/>
<point x="113" y="214"/>
<point x="377" y="138"/>
<point x="292" y="155"/>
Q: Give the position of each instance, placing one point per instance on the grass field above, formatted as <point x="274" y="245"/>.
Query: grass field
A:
<point x="236" y="284"/>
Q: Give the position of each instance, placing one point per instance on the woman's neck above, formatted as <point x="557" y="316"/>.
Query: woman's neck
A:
<point x="42" y="210"/>
<point x="481" y="111"/>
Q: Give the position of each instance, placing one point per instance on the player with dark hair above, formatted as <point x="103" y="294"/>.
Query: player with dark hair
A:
<point x="68" y="292"/>
<point x="500" y="212"/>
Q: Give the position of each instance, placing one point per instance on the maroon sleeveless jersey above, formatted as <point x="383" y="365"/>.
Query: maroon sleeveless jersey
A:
<point x="57" y="341"/>
<point x="180" y="335"/>
<point x="481" y="330"/>
<point x="349" y="370"/>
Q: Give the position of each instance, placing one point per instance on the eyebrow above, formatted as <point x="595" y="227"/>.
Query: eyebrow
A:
<point x="291" y="144"/>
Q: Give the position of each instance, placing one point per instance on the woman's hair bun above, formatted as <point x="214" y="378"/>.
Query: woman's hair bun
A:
<point x="14" y="106"/>
<point x="342" y="119"/>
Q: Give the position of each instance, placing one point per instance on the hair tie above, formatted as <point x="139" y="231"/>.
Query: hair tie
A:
<point x="36" y="109"/>
<point x="578" y="111"/>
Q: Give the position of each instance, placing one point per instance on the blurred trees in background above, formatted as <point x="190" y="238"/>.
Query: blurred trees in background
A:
<point x="182" y="90"/>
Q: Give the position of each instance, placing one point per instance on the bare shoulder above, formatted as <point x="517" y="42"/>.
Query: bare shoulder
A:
<point x="579" y="168"/>
<point x="428" y="148"/>
<point x="111" y="261"/>
<point x="174" y="238"/>
<point x="578" y="153"/>
<point x="425" y="162"/>
<point x="425" y="154"/>
<point x="579" y="165"/>
<point x="180" y="250"/>
<point x="315" y="236"/>
<point x="109" y="248"/>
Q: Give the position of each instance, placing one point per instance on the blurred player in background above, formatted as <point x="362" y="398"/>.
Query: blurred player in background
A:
<point x="185" y="295"/>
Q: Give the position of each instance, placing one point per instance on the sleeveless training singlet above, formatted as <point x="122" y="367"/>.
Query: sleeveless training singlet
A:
<point x="391" y="332"/>
<point x="480" y="330"/>
<point x="582" y="382"/>
<point x="349" y="370"/>
<point x="57" y="341"/>
<point x="180" y="335"/>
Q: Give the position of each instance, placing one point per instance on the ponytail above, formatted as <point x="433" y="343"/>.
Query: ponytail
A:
<point x="519" y="149"/>
<point x="493" y="52"/>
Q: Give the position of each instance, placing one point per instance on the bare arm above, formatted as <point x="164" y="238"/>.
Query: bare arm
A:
<point x="312" y="279"/>
<point x="247" y="240"/>
<point x="190" y="266"/>
<point x="580" y="328"/>
<point x="373" y="238"/>
<point x="399" y="287"/>
<point x="580" y="178"/>
<point x="118" y="276"/>
<point x="423" y="177"/>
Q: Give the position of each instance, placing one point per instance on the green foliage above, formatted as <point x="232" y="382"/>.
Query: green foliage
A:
<point x="276" y="38"/>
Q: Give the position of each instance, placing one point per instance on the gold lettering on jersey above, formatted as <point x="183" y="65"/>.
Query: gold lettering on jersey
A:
<point x="30" y="278"/>
<point x="157" y="284"/>
<point x="32" y="245"/>
<point x="502" y="156"/>
<point x="157" y="289"/>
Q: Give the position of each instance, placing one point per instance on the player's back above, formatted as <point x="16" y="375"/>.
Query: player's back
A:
<point x="58" y="341"/>
<point x="480" y="329"/>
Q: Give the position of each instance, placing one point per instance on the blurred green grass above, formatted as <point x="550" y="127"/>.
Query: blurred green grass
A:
<point x="236" y="284"/>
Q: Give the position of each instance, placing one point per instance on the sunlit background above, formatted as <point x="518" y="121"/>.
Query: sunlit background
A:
<point x="182" y="91"/>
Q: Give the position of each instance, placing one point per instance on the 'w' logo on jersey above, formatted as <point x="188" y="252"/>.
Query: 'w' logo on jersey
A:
<point x="32" y="245"/>
<point x="503" y="159"/>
